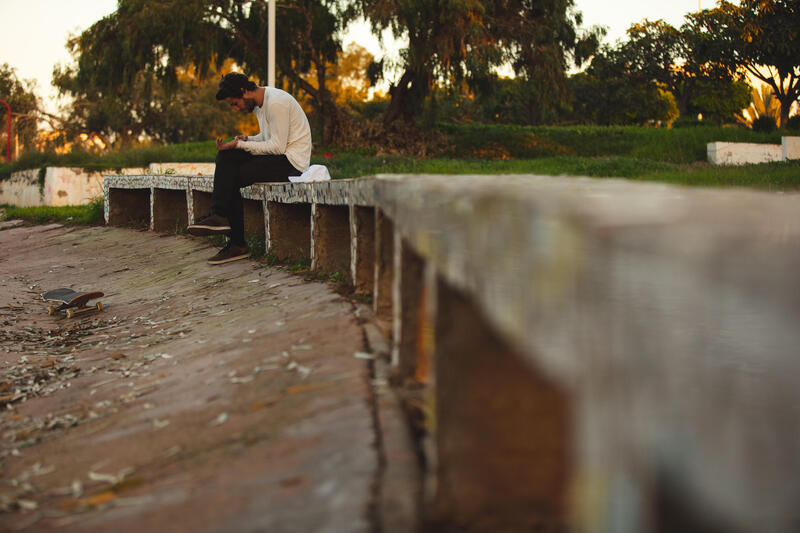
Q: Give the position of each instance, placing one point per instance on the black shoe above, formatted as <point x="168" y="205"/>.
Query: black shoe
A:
<point x="210" y="225"/>
<point x="230" y="253"/>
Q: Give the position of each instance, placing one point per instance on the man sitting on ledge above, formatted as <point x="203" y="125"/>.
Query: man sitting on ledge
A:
<point x="282" y="149"/>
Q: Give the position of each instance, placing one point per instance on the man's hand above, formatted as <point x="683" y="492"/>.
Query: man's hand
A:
<point x="241" y="137"/>
<point x="222" y="145"/>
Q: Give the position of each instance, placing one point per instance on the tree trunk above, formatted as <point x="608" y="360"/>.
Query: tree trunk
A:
<point x="407" y="97"/>
<point x="786" y="101"/>
<point x="399" y="93"/>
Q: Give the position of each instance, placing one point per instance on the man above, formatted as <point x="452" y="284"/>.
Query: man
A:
<point x="282" y="149"/>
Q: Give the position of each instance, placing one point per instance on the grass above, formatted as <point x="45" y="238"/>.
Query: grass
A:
<point x="675" y="155"/>
<point x="132" y="158"/>
<point x="773" y="176"/>
<point x="676" y="145"/>
<point x="257" y="245"/>
<point x="90" y="214"/>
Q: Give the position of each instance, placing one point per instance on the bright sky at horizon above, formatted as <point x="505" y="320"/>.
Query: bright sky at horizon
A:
<point x="35" y="31"/>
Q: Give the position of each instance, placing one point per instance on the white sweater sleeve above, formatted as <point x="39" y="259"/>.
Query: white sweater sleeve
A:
<point x="278" y="119"/>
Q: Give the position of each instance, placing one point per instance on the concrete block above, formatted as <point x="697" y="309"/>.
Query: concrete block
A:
<point x="129" y="207"/>
<point x="170" y="213"/>
<point x="791" y="148"/>
<point x="199" y="204"/>
<point x="254" y="219"/>
<point x="331" y="251"/>
<point x="289" y="225"/>
<point x="667" y="314"/>
<point x="362" y="231"/>
<point x="725" y="153"/>
<point x="409" y="310"/>
<point x="384" y="265"/>
<point x="503" y="430"/>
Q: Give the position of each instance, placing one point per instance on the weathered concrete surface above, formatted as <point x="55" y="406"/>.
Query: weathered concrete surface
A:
<point x="201" y="399"/>
<point x="726" y="153"/>
<point x="191" y="169"/>
<point x="791" y="147"/>
<point x="55" y="186"/>
<point x="668" y="314"/>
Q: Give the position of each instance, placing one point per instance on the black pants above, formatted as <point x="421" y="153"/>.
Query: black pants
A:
<point x="236" y="169"/>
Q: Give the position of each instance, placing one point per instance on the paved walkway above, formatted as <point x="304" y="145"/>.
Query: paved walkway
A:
<point x="220" y="399"/>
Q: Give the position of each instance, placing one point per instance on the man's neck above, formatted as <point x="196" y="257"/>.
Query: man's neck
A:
<point x="257" y="95"/>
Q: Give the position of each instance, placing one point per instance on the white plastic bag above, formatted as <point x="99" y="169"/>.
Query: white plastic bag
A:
<point x="314" y="173"/>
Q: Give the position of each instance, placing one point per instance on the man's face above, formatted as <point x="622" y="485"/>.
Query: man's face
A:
<point x="245" y="105"/>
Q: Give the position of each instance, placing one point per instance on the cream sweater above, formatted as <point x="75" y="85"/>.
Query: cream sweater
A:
<point x="284" y="129"/>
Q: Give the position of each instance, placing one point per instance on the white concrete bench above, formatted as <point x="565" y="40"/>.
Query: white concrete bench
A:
<point x="600" y="352"/>
<point x="733" y="153"/>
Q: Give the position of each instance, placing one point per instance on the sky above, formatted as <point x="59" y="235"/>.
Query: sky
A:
<point x="34" y="32"/>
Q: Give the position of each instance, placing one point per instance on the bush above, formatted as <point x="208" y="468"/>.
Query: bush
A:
<point x="794" y="123"/>
<point x="765" y="124"/>
<point x="688" y="122"/>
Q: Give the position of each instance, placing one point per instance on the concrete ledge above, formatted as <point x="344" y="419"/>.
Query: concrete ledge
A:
<point x="55" y="186"/>
<point x="185" y="169"/>
<point x="728" y="153"/>
<point x="598" y="351"/>
<point x="791" y="148"/>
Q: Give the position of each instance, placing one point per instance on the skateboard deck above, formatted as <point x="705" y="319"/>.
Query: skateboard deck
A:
<point x="72" y="301"/>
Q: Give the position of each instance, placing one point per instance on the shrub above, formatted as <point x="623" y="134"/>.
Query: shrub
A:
<point x="687" y="122"/>
<point x="794" y="123"/>
<point x="765" y="124"/>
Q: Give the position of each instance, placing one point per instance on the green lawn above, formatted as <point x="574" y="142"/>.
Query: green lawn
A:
<point x="773" y="176"/>
<point x="669" y="155"/>
<point x="89" y="214"/>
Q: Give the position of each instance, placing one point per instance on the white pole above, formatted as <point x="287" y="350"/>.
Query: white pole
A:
<point x="271" y="48"/>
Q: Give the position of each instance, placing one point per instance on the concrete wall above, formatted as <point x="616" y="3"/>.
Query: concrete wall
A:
<point x="22" y="189"/>
<point x="58" y="186"/>
<point x="727" y="153"/>
<point x="183" y="169"/>
<point x="791" y="148"/>
<point x="723" y="153"/>
<point x="597" y="355"/>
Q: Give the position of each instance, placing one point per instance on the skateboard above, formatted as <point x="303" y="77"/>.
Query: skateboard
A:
<point x="73" y="302"/>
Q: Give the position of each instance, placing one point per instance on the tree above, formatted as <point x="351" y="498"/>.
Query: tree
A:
<point x="721" y="103"/>
<point x="452" y="40"/>
<point x="24" y="106"/>
<point x="668" y="56"/>
<point x="540" y="40"/>
<point x="609" y="92"/>
<point x="139" y="50"/>
<point x="760" y="37"/>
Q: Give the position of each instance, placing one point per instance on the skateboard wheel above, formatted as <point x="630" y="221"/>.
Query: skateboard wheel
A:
<point x="70" y="313"/>
<point x="99" y="306"/>
<point x="51" y="310"/>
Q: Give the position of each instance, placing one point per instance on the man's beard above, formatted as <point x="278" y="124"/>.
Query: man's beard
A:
<point x="249" y="104"/>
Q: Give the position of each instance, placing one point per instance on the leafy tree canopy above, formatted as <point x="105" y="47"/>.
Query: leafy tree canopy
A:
<point x="760" y="37"/>
<point x="24" y="106"/>
<point x="609" y="94"/>
<point x="452" y="40"/>
<point x="137" y="53"/>
<point x="674" y="59"/>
